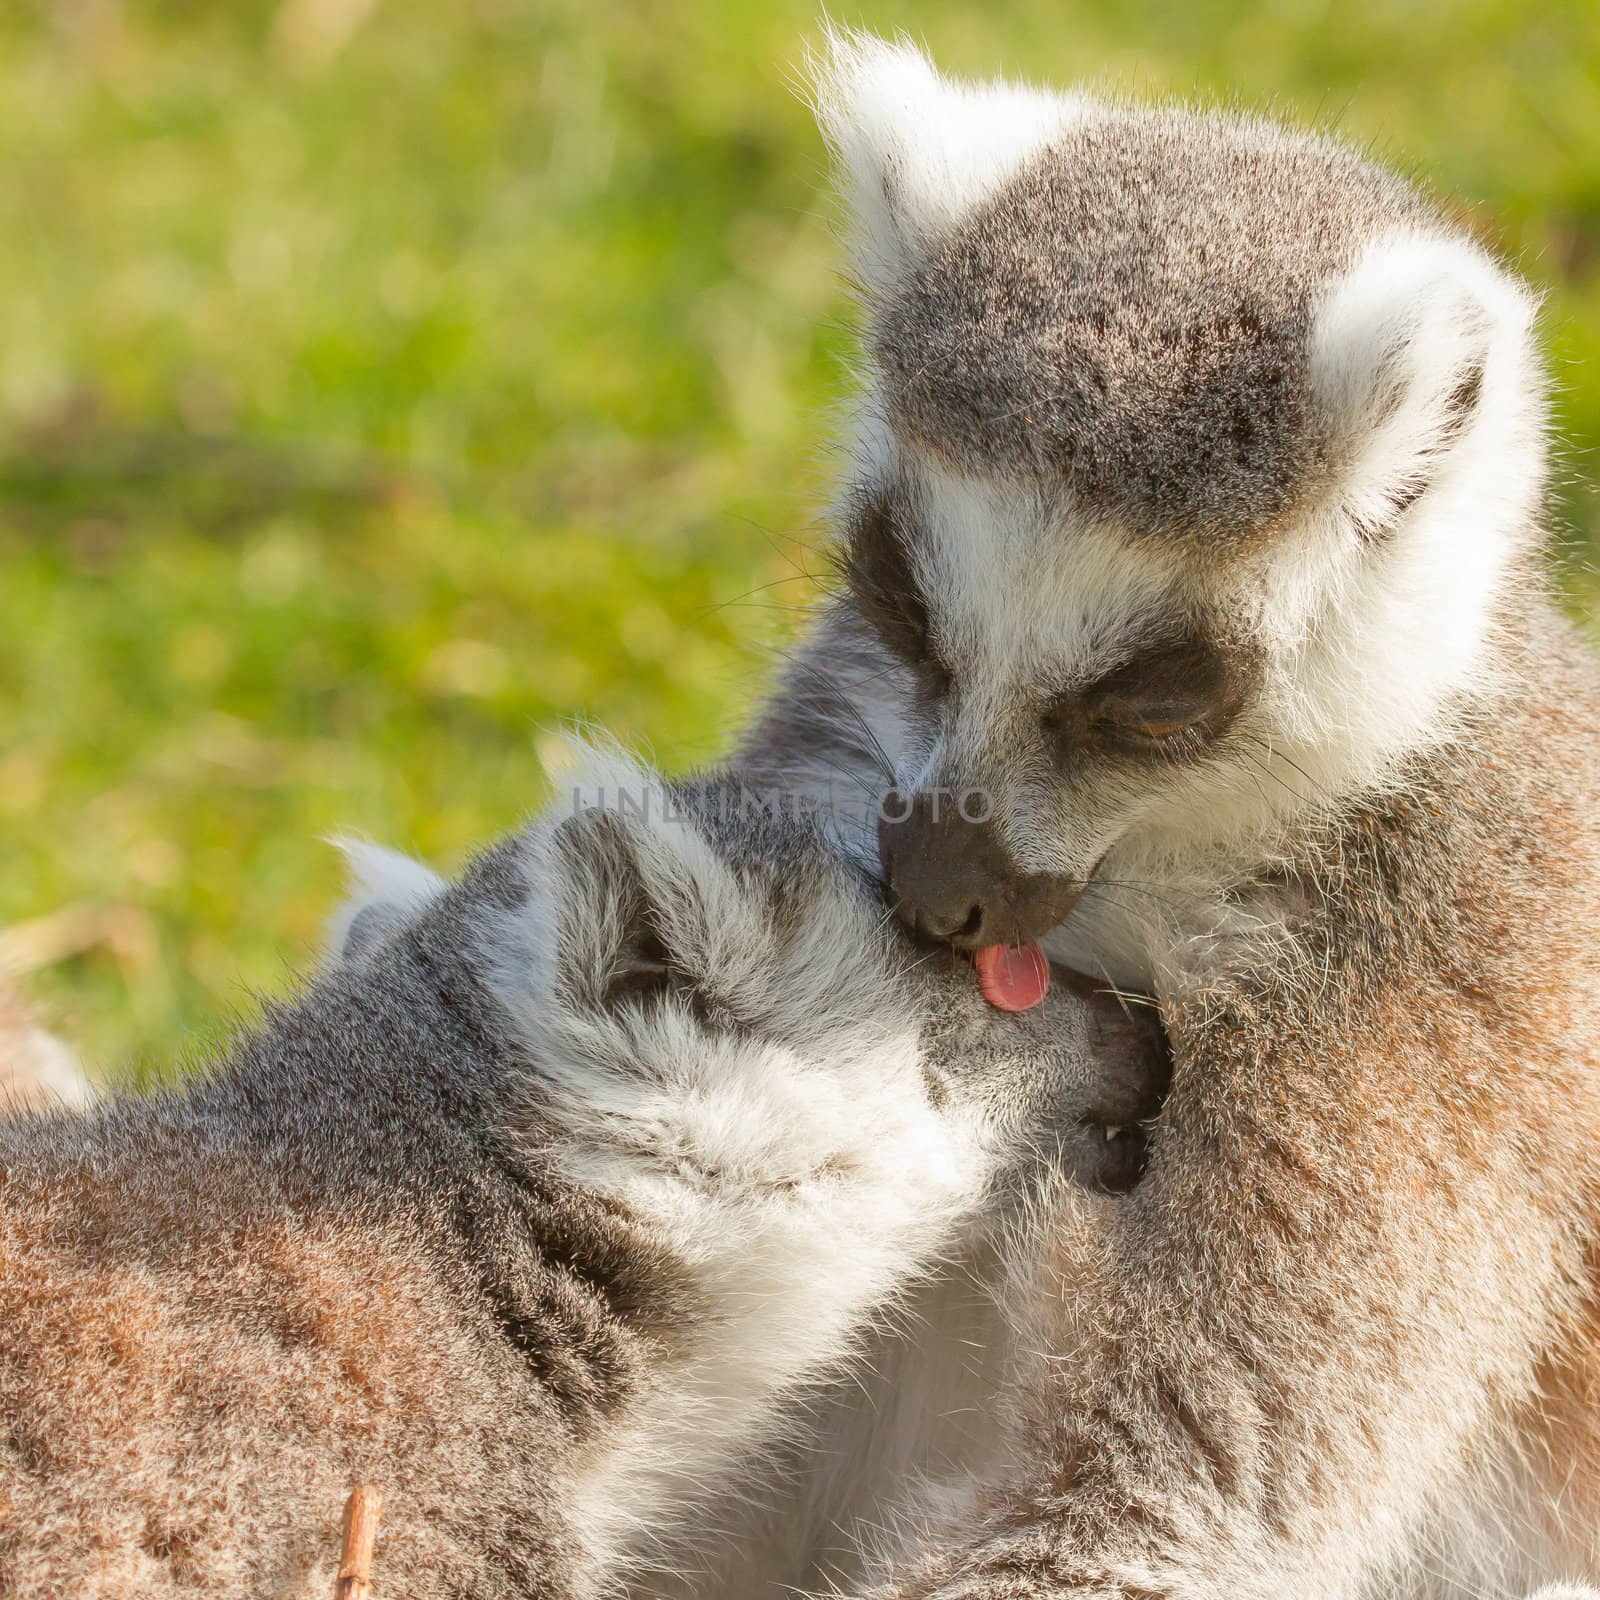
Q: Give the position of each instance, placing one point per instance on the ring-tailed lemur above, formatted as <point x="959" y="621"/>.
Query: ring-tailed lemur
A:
<point x="1192" y="537"/>
<point x="530" y="1211"/>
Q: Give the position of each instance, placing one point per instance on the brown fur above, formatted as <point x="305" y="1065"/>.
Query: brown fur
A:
<point x="1356" y="1293"/>
<point x="221" y="1309"/>
<point x="174" y="1344"/>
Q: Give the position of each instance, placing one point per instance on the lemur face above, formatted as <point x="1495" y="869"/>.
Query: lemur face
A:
<point x="1067" y="686"/>
<point x="1193" y="459"/>
<point x="714" y="940"/>
<point x="655" y="937"/>
<point x="717" y="931"/>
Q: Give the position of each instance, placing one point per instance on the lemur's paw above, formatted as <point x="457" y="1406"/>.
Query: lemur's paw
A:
<point x="1134" y="1065"/>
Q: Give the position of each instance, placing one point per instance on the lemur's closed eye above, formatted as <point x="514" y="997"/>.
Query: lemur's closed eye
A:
<point x="1173" y="698"/>
<point x="643" y="969"/>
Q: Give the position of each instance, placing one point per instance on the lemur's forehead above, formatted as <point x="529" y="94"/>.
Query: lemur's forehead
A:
<point x="1022" y="589"/>
<point x="1128" y="318"/>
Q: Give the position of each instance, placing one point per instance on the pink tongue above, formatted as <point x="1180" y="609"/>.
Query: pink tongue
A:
<point x="1012" y="977"/>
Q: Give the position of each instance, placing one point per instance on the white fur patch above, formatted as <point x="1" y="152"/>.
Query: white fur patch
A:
<point x="1374" y="638"/>
<point x="379" y="878"/>
<point x="1390" y="342"/>
<point x="917" y="151"/>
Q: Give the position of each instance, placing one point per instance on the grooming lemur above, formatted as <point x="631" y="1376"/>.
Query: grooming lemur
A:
<point x="1195" y="611"/>
<point x="530" y="1211"/>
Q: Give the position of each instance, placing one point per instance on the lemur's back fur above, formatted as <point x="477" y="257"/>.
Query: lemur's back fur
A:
<point x="223" y="1309"/>
<point x="1194" y="521"/>
<point x="532" y="1210"/>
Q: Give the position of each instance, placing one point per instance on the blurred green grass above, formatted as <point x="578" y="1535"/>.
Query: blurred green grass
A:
<point x="382" y="384"/>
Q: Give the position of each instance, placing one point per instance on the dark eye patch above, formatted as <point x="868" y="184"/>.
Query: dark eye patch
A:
<point x="1173" y="697"/>
<point x="643" y="968"/>
<point x="878" y="568"/>
<point x="645" y="973"/>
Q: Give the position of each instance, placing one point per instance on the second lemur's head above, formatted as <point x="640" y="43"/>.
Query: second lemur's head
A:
<point x="1196" y="460"/>
<point x="655" y="951"/>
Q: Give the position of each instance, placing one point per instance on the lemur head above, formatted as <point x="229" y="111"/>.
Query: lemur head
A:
<point x="667" y="940"/>
<point x="1195" y="459"/>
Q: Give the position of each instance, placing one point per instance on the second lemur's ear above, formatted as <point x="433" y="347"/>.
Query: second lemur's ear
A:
<point x="628" y="916"/>
<point x="1422" y="344"/>
<point x="386" y="890"/>
<point x="915" y="151"/>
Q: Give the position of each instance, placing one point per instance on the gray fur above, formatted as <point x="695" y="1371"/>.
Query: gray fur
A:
<point x="363" y="1249"/>
<point x="1128" y="318"/>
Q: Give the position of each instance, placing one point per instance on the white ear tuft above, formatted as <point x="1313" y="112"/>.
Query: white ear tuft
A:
<point x="1422" y="344"/>
<point x="917" y="152"/>
<point x="385" y="888"/>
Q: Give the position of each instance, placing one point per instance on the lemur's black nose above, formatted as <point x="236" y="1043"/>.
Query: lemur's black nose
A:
<point x="952" y="879"/>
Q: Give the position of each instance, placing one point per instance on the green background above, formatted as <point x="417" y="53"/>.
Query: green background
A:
<point x="383" y="384"/>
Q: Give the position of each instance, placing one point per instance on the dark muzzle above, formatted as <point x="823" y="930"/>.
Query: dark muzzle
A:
<point x="952" y="879"/>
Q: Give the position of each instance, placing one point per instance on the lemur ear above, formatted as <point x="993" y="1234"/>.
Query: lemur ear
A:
<point x="916" y="152"/>
<point x="386" y="889"/>
<point x="612" y="943"/>
<point x="1424" y="342"/>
